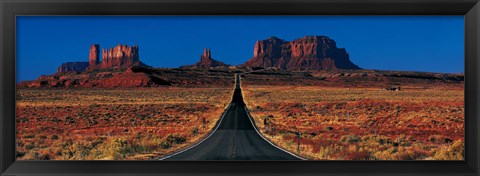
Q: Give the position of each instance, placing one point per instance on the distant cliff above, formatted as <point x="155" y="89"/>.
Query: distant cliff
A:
<point x="307" y="53"/>
<point x="72" y="67"/>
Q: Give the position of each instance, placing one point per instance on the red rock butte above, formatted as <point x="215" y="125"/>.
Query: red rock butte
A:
<point x="120" y="56"/>
<point x="307" y="53"/>
<point x="206" y="61"/>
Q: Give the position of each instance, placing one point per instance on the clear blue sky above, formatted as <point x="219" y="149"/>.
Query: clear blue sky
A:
<point x="413" y="43"/>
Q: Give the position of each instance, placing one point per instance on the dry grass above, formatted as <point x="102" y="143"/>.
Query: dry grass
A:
<point x="105" y="124"/>
<point x="361" y="123"/>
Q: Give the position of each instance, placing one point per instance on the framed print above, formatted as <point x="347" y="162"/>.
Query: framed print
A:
<point x="226" y="88"/>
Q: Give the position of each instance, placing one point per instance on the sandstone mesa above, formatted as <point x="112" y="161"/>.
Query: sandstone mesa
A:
<point x="307" y="53"/>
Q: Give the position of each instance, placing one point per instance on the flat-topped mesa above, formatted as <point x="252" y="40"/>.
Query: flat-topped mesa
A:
<point x="72" y="67"/>
<point x="307" y="53"/>
<point x="120" y="56"/>
<point x="206" y="61"/>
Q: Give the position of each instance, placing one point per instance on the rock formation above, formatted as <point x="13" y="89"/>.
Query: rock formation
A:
<point x="72" y="67"/>
<point x="307" y="53"/>
<point x="206" y="61"/>
<point x="94" y="56"/>
<point x="120" y="56"/>
<point x="272" y="61"/>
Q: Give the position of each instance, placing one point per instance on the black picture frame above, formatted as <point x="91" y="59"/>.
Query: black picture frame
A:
<point x="11" y="8"/>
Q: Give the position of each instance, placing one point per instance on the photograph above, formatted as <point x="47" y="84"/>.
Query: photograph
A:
<point x="260" y="88"/>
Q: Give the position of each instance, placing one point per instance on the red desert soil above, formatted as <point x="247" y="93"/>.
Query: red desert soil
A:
<point x="342" y="117"/>
<point x="91" y="124"/>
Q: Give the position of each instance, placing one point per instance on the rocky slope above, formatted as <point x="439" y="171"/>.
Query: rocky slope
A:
<point x="307" y="53"/>
<point x="135" y="76"/>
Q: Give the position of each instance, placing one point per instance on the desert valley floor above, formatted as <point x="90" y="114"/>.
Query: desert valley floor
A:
<point x="337" y="115"/>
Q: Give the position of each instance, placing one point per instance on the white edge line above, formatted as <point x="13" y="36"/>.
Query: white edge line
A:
<point x="256" y="130"/>
<point x="184" y="150"/>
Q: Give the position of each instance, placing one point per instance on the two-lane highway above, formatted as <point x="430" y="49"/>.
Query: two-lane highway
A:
<point x="234" y="138"/>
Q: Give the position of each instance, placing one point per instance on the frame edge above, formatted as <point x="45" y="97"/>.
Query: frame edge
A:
<point x="7" y="93"/>
<point x="7" y="48"/>
<point x="472" y="64"/>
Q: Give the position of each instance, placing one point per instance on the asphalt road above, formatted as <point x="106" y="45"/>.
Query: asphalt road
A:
<point x="234" y="138"/>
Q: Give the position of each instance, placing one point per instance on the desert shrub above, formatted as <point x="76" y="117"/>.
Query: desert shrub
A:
<point x="401" y="141"/>
<point x="384" y="141"/>
<point x="117" y="148"/>
<point x="30" y="146"/>
<point x="353" y="152"/>
<point x="323" y="152"/>
<point x="77" y="150"/>
<point x="44" y="155"/>
<point x="454" y="151"/>
<point x="359" y="155"/>
<point x="27" y="136"/>
<point x="350" y="139"/>
<point x="439" y="139"/>
<point x="195" y="131"/>
<point x="177" y="139"/>
<point x="165" y="145"/>
<point x="409" y="154"/>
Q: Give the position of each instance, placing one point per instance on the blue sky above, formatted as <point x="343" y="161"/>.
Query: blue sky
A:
<point x="409" y="43"/>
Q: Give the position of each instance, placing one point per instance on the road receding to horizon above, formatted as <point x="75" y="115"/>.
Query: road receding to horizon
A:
<point x="234" y="138"/>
